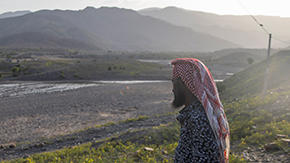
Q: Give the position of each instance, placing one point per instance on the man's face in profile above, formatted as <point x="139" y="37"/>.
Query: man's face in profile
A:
<point x="179" y="97"/>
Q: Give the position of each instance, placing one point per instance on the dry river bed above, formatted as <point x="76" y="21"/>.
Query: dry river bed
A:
<point x="28" y="114"/>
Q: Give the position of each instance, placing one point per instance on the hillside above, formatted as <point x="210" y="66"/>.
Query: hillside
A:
<point x="238" y="59"/>
<point x="113" y="29"/>
<point x="251" y="80"/>
<point x="241" y="30"/>
<point x="41" y="40"/>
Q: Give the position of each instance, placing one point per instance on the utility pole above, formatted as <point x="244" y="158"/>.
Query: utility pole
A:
<point x="267" y="68"/>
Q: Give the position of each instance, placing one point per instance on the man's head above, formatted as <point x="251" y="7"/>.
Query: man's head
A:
<point x="187" y="79"/>
<point x="182" y="95"/>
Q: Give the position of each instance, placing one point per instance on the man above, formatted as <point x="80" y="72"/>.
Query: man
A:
<point x="204" y="134"/>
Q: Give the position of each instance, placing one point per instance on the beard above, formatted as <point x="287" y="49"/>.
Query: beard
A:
<point x="179" y="100"/>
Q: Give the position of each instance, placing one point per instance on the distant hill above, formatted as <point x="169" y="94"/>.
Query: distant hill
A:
<point x="13" y="14"/>
<point x="241" y="30"/>
<point x="261" y="53"/>
<point x="36" y="40"/>
<point x="251" y="80"/>
<point x="113" y="29"/>
<point x="239" y="59"/>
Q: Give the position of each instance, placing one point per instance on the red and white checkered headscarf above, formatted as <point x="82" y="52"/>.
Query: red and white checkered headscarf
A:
<point x="199" y="81"/>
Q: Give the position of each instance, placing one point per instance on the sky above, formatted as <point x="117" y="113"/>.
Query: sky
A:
<point x="220" y="7"/>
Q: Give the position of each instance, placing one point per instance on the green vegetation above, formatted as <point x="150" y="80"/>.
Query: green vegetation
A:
<point x="47" y="142"/>
<point x="76" y="76"/>
<point x="171" y="113"/>
<point x="221" y="86"/>
<point x="48" y="64"/>
<point x="140" y="118"/>
<point x="162" y="140"/>
<point x="253" y="124"/>
<point x="106" y="124"/>
<point x="15" y="69"/>
<point x="9" y="55"/>
<point x="62" y="75"/>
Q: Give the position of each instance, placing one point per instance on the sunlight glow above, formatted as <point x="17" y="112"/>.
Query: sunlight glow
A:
<point x="221" y="7"/>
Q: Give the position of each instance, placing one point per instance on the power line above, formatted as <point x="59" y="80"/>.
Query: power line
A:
<point x="261" y="25"/>
<point x="281" y="40"/>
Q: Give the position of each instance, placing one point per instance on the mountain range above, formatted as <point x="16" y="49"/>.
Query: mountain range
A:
<point x="241" y="30"/>
<point x="111" y="28"/>
<point x="14" y="14"/>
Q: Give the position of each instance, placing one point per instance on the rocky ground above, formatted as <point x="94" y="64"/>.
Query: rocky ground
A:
<point x="45" y="122"/>
<point x="29" y="118"/>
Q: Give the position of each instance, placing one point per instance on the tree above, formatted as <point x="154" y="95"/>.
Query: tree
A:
<point x="15" y="69"/>
<point x="250" y="60"/>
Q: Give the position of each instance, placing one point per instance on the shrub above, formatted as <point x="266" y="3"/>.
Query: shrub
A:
<point x="76" y="76"/>
<point x="62" y="75"/>
<point x="48" y="64"/>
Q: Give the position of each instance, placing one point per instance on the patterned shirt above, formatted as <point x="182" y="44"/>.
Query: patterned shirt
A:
<point x="197" y="142"/>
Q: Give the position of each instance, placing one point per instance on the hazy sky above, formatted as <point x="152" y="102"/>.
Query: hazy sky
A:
<point x="222" y="7"/>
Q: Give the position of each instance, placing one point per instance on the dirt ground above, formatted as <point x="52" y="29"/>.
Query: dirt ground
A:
<point x="37" y="116"/>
